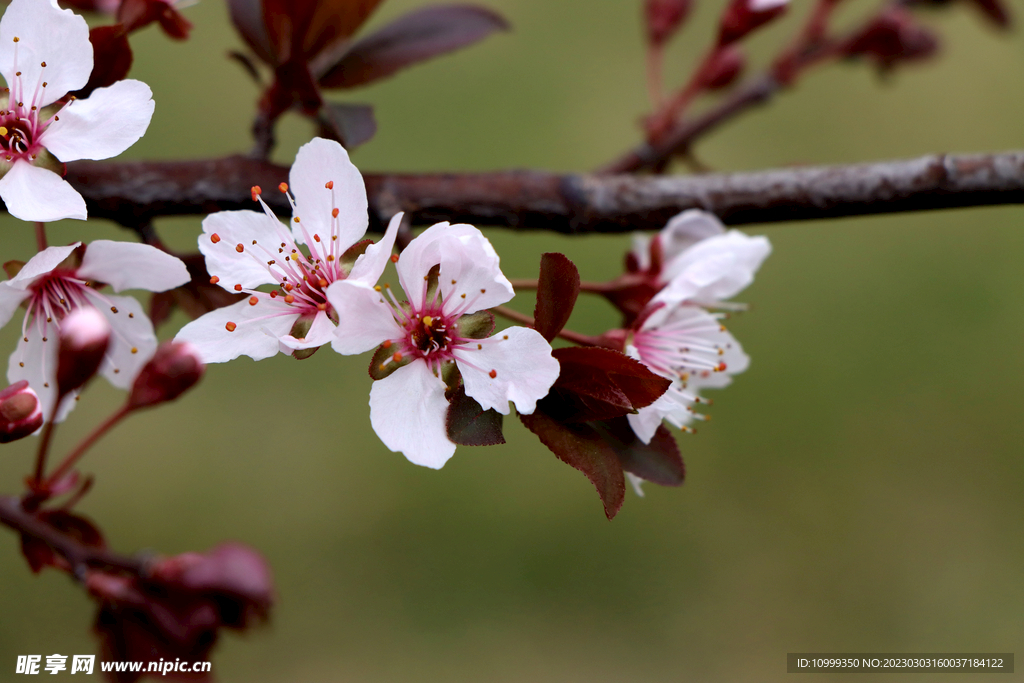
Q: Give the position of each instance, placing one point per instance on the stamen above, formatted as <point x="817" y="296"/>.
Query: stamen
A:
<point x="253" y="300"/>
<point x="215" y="238"/>
<point x="239" y="248"/>
<point x="214" y="280"/>
<point x="230" y="327"/>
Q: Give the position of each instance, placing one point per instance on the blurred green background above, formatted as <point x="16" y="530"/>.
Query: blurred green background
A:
<point x="860" y="488"/>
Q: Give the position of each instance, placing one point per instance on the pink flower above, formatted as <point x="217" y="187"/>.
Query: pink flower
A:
<point x="50" y="289"/>
<point x="245" y="250"/>
<point x="429" y="335"/>
<point x="44" y="54"/>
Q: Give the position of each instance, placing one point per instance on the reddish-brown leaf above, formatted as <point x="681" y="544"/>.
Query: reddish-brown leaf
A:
<point x="557" y="289"/>
<point x="583" y="447"/>
<point x="415" y="37"/>
<point x="658" y="461"/>
<point x="469" y="424"/>
<point x="349" y="124"/>
<point x="39" y="554"/>
<point x="600" y="384"/>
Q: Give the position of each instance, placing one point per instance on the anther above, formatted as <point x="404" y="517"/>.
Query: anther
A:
<point x="289" y="299"/>
<point x="113" y="309"/>
<point x="239" y="248"/>
<point x="330" y="258"/>
<point x="296" y="219"/>
<point x="479" y="347"/>
<point x="215" y="238"/>
<point x="42" y="64"/>
<point x="134" y="350"/>
<point x="321" y="307"/>
<point x="256" y="191"/>
<point x="505" y="337"/>
<point x="288" y="286"/>
<point x="214" y="280"/>
<point x="323" y="282"/>
<point x="254" y="243"/>
<point x="329" y="185"/>
<point x="253" y="300"/>
<point x="376" y="288"/>
<point x="238" y="288"/>
<point x="427" y="321"/>
<point x="230" y="327"/>
<point x="394" y="258"/>
<point x="387" y="344"/>
<point x="397" y="357"/>
<point x="334" y="213"/>
<point x="493" y="374"/>
<point x="283" y="187"/>
<point x="483" y="291"/>
<point x="273" y="295"/>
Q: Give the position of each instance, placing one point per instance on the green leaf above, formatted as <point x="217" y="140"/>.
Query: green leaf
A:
<point x="478" y="325"/>
<point x="348" y="259"/>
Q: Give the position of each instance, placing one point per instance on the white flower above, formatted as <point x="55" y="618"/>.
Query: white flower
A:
<point x="246" y="249"/>
<point x="45" y="53"/>
<point x="701" y="262"/>
<point x="51" y="289"/>
<point x="691" y="347"/>
<point x="408" y="407"/>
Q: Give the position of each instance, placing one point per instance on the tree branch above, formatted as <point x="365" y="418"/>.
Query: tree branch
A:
<point x="77" y="554"/>
<point x="133" y="193"/>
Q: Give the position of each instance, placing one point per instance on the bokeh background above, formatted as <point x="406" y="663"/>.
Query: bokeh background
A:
<point x="861" y="487"/>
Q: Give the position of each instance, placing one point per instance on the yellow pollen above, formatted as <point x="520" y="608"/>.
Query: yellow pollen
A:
<point x="376" y="288"/>
<point x="427" y="321"/>
<point x="296" y="219"/>
<point x="134" y="350"/>
<point x="3" y="131"/>
<point x="330" y="257"/>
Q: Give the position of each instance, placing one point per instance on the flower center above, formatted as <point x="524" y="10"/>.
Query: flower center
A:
<point x="430" y="334"/>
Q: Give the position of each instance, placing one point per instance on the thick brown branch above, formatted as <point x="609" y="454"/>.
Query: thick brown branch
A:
<point x="133" y="193"/>
<point x="77" y="554"/>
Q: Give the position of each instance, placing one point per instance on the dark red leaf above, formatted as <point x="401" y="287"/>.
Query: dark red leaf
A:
<point x="658" y="461"/>
<point x="112" y="58"/>
<point x="742" y="17"/>
<point x="469" y="424"/>
<point x="247" y="16"/>
<point x="349" y="124"/>
<point x="292" y="85"/>
<point x="136" y="14"/>
<point x="664" y="17"/>
<point x="557" y="289"/>
<point x="301" y="30"/>
<point x="599" y="384"/>
<point x="412" y="38"/>
<point x="581" y="446"/>
<point x="39" y="554"/>
<point x="892" y="37"/>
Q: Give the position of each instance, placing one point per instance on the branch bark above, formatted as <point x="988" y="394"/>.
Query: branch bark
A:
<point x="134" y="193"/>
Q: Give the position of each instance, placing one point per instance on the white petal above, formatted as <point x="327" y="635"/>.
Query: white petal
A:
<point x="716" y="268"/>
<point x="36" y="194"/>
<point x="321" y="332"/>
<point x="407" y="410"/>
<point x="10" y="299"/>
<point x="128" y="265"/>
<point x="102" y="125"/>
<point x="673" y="406"/>
<point x="369" y="267"/>
<point x="317" y="163"/>
<point x="257" y="332"/>
<point x="130" y="329"/>
<point x="364" y="320"/>
<point x="48" y="34"/>
<point x="36" y="361"/>
<point x="636" y="483"/>
<point x="642" y="250"/>
<point x="686" y="229"/>
<point x="466" y="257"/>
<point x="523" y="366"/>
<point x="239" y="228"/>
<point x="40" y="264"/>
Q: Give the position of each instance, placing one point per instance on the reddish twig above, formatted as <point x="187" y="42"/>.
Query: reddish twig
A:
<point x="77" y="554"/>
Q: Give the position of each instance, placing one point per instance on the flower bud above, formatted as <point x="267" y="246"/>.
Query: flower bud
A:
<point x="20" y="412"/>
<point x="743" y="16"/>
<point x="84" y="337"/>
<point x="664" y="17"/>
<point x="893" y="36"/>
<point x="173" y="370"/>
<point x="725" y="69"/>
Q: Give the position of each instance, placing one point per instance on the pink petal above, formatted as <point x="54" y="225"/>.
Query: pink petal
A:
<point x="42" y="263"/>
<point x="36" y="194"/>
<point x="248" y="267"/>
<point x="102" y="125"/>
<point x="257" y="331"/>
<point x="407" y="410"/>
<point x="132" y="341"/>
<point x="369" y="267"/>
<point x="523" y="369"/>
<point x="364" y="320"/>
<point x="317" y="163"/>
<point x="127" y="265"/>
<point x="48" y="34"/>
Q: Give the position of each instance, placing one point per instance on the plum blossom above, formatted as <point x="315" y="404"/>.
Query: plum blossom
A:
<point x="448" y="273"/>
<point x="698" y="260"/>
<point x="51" y="286"/>
<point x="245" y="250"/>
<point x="701" y="265"/>
<point x="44" y="54"/>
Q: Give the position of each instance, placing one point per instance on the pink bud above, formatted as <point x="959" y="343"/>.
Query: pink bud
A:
<point x="174" y="369"/>
<point x="743" y="16"/>
<point x="20" y="412"/>
<point x="664" y="17"/>
<point x="84" y="337"/>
